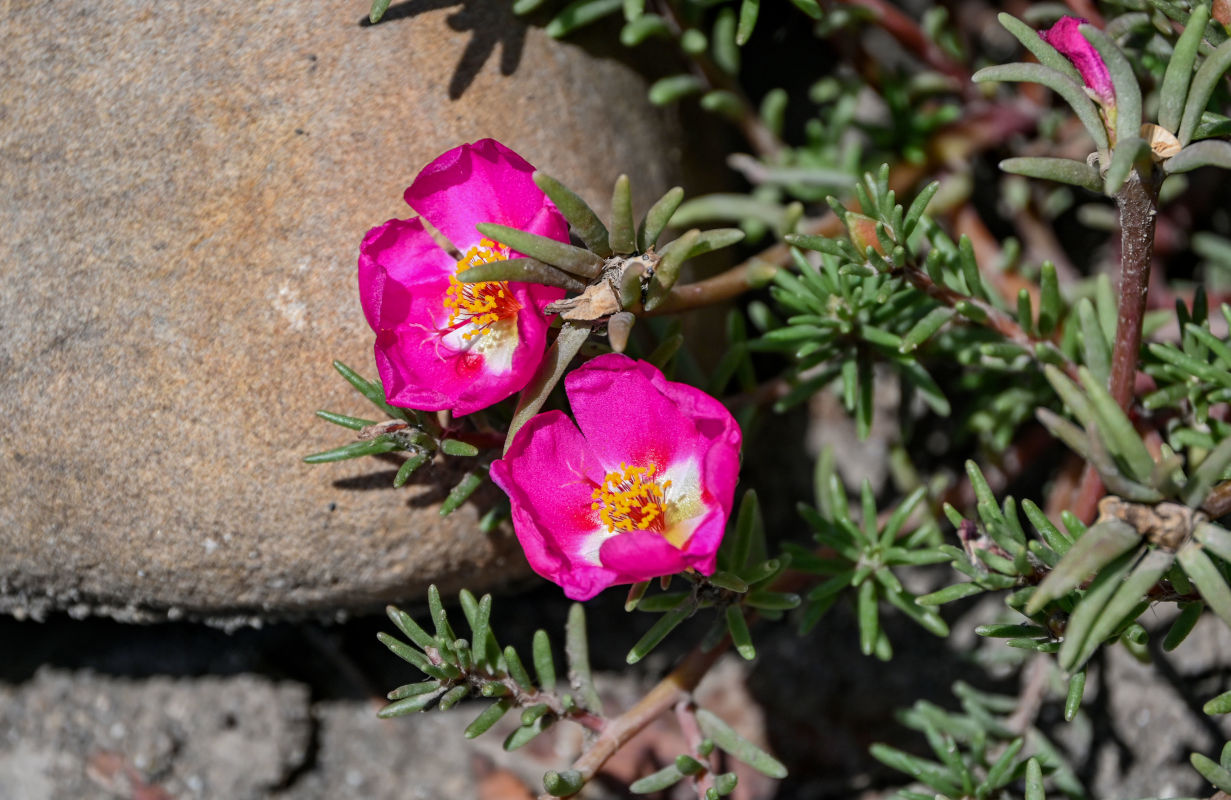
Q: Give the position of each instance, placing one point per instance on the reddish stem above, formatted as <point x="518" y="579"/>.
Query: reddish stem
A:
<point x="670" y="690"/>
<point x="1138" y="201"/>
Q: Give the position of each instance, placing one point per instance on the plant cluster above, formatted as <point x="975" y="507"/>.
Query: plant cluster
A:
<point x="1106" y="411"/>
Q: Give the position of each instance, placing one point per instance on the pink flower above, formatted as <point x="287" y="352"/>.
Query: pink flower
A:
<point x="1066" y="37"/>
<point x="643" y="489"/>
<point x="440" y="343"/>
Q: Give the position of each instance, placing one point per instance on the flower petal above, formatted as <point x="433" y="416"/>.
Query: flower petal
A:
<point x="1066" y="37"/>
<point x="630" y="413"/>
<point x="640" y="556"/>
<point x="483" y="182"/>
<point x="393" y="258"/>
<point x="549" y="474"/>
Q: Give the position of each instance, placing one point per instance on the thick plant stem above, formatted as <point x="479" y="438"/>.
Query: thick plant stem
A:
<point x="1138" y="202"/>
<point x="670" y="690"/>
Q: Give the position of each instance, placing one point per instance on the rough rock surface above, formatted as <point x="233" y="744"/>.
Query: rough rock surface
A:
<point x="183" y="187"/>
<point x="76" y="734"/>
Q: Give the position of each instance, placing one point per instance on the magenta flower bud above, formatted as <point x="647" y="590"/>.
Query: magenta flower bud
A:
<point x="641" y="486"/>
<point x="1066" y="37"/>
<point x="440" y="343"/>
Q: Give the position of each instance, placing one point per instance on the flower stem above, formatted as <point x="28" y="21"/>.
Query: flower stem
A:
<point x="1138" y="202"/>
<point x="677" y="686"/>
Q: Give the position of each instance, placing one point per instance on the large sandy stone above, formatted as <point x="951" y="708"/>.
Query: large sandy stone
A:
<point x="183" y="188"/>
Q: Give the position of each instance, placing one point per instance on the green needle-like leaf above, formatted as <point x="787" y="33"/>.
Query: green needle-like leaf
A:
<point x="1209" y="580"/>
<point x="1091" y="607"/>
<point x="436" y="607"/>
<point x="688" y="765"/>
<point x="527" y="270"/>
<point x="558" y="254"/>
<point x="1216" y="538"/>
<point x="622" y="238"/>
<point x="1100" y="545"/>
<point x="577" y="650"/>
<point x="715" y="239"/>
<point x="659" y="630"/>
<point x="544" y="662"/>
<point x="418" y="660"/>
<point x="657" y="217"/>
<point x="379" y="7"/>
<point x="1007" y="630"/>
<point x="480" y="629"/>
<point x="1075" y="438"/>
<point x="354" y="423"/>
<point x="372" y="390"/>
<point x="1072" y="700"/>
<point x="747" y="530"/>
<point x="635" y="593"/>
<point x="1061" y="170"/>
<point x="1120" y="435"/>
<point x="748" y="12"/>
<point x="925" y="328"/>
<point x="1205" y="476"/>
<point x="668" y="270"/>
<point x="1201" y="88"/>
<point x="413" y="690"/>
<point x="1001" y="772"/>
<point x="644" y="27"/>
<point x="950" y="593"/>
<point x="1034" y="781"/>
<point x="408" y="468"/>
<point x="659" y="781"/>
<point x="868" y="617"/>
<point x="740" y="637"/>
<point x="1218" y="705"/>
<point x="1208" y="153"/>
<point x="1094" y="347"/>
<point x="1130" y="152"/>
<point x="1062" y="85"/>
<point x="720" y="101"/>
<point x="1183" y="625"/>
<point x="665" y="91"/>
<point x="724" y="49"/>
<point x="921" y="769"/>
<point x="772" y="601"/>
<point x="580" y="13"/>
<point x="563" y="784"/>
<point x="456" y="447"/>
<point x="726" y="738"/>
<point x="1179" y="72"/>
<point x="460" y="493"/>
<point x="1119" y="609"/>
<point x="410" y="705"/>
<point x="353" y="450"/>
<point x="917" y="208"/>
<point x="1123" y="81"/>
<point x="523" y="735"/>
<point x="409" y="628"/>
<point x="490" y="716"/>
<point x="1049" y="298"/>
<point x="517" y="670"/>
<point x="1211" y="771"/>
<point x="585" y="223"/>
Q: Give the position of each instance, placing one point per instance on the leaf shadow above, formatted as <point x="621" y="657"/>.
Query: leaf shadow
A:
<point x="490" y="24"/>
<point x="428" y="486"/>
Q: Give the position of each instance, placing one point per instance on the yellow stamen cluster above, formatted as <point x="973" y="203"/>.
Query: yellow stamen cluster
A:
<point x="631" y="500"/>
<point x="479" y="304"/>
